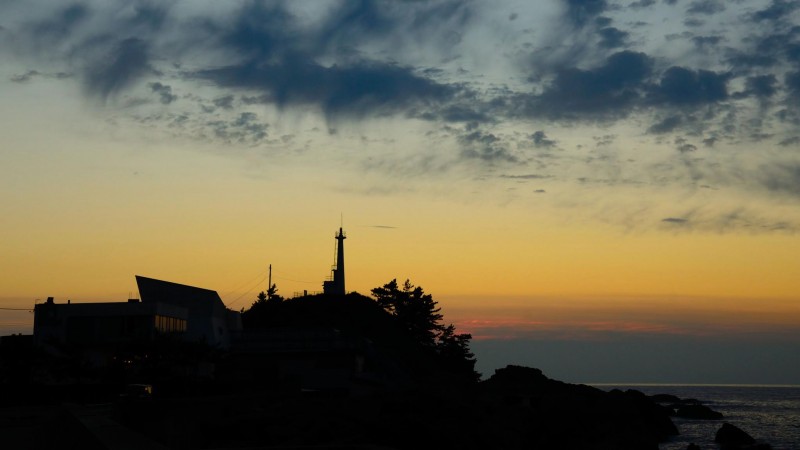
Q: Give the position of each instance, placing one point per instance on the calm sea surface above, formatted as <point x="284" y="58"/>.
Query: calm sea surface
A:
<point x="770" y="414"/>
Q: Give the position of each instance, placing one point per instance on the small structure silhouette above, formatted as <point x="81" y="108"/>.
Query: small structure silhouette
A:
<point x="335" y="286"/>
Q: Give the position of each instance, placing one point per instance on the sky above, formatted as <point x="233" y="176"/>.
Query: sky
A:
<point x="606" y="190"/>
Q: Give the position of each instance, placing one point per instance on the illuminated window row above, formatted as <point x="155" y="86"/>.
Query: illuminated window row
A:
<point x="166" y="324"/>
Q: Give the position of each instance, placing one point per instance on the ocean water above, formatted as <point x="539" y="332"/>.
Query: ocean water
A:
<point x="771" y="414"/>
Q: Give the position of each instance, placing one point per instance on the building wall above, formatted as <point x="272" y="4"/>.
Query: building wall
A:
<point x="101" y="323"/>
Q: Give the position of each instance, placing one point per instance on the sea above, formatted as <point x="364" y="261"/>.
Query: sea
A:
<point x="770" y="414"/>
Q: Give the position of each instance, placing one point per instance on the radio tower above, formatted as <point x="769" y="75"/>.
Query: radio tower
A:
<point x="335" y="286"/>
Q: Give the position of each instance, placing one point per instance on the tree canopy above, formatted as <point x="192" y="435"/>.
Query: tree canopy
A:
<point x="403" y="320"/>
<point x="421" y="317"/>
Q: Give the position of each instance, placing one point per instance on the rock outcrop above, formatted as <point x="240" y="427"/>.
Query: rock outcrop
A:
<point x="698" y="412"/>
<point x="731" y="437"/>
<point x="547" y="413"/>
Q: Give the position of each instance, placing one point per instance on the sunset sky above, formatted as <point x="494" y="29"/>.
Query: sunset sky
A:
<point x="606" y="190"/>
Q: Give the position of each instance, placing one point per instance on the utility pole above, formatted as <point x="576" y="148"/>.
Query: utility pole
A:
<point x="269" y="285"/>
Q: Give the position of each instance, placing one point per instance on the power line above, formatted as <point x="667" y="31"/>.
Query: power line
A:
<point x="248" y="292"/>
<point x="296" y="281"/>
<point x="260" y="274"/>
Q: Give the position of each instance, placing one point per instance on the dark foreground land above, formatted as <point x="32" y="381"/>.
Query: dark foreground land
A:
<point x="313" y="372"/>
<point x="516" y="408"/>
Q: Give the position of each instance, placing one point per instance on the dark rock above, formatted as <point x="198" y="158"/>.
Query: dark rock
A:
<point x="547" y="413"/>
<point x="699" y="412"/>
<point x="665" y="398"/>
<point x="729" y="435"/>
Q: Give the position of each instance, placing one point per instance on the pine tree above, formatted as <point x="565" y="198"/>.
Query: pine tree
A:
<point x="420" y="315"/>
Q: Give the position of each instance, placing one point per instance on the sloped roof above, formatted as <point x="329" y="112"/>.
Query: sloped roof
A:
<point x="196" y="300"/>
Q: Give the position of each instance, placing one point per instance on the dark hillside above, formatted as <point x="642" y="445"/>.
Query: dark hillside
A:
<point x="355" y="316"/>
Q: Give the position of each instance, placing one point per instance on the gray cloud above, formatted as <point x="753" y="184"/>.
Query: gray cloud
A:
<point x="680" y="86"/>
<point x="642" y="4"/>
<point x="706" y="42"/>
<point x="776" y="11"/>
<point x="165" y="92"/>
<point x="781" y="178"/>
<point x="530" y="176"/>
<point x="25" y="77"/>
<point x="613" y="37"/>
<point x="486" y="147"/>
<point x="580" y="12"/>
<point x="730" y="77"/>
<point x="125" y="64"/>
<point x="603" y="93"/>
<point x="540" y="140"/>
<point x="225" y="102"/>
<point x="244" y="129"/>
<point x="794" y="140"/>
<point x="729" y="221"/>
<point x="707" y="7"/>
<point x="666" y="125"/>
<point x="356" y="90"/>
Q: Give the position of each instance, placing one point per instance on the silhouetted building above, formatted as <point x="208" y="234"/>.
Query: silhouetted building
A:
<point x="335" y="286"/>
<point x="190" y="313"/>
<point x="104" y="323"/>
<point x="207" y="317"/>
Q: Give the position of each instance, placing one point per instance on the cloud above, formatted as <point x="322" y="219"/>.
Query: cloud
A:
<point x="642" y="4"/>
<point x="730" y="220"/>
<point x="540" y="140"/>
<point x="781" y="178"/>
<point x="680" y="86"/>
<point x="244" y="129"/>
<point x="667" y="125"/>
<point x="225" y="102"/>
<point x="792" y="82"/>
<point x="32" y="74"/>
<point x="581" y="12"/>
<point x="530" y="176"/>
<point x="604" y="93"/>
<point x="706" y="7"/>
<point x="706" y="42"/>
<point x="777" y="10"/>
<point x="25" y="77"/>
<point x="60" y="25"/>
<point x="486" y="147"/>
<point x="613" y="37"/>
<point x="471" y="82"/>
<point x="125" y="64"/>
<point x="165" y="92"/>
<point x="355" y="90"/>
<point x="761" y="86"/>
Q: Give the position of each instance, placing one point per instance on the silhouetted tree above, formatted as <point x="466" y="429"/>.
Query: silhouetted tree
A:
<point x="261" y="298"/>
<point x="420" y="315"/>
<point x="416" y="310"/>
<point x="272" y="294"/>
